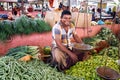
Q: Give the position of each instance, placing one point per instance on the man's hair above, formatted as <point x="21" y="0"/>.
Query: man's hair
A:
<point x="65" y="12"/>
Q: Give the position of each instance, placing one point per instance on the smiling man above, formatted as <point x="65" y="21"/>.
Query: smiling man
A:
<point x="63" y="33"/>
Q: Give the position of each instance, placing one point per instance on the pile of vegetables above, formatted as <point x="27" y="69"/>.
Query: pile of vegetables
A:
<point x="26" y="53"/>
<point x="12" y="69"/>
<point x="47" y="50"/>
<point x="87" y="69"/>
<point x="108" y="22"/>
<point x="21" y="51"/>
<point x="111" y="52"/>
<point x="107" y="34"/>
<point x="22" y="25"/>
<point x="104" y="34"/>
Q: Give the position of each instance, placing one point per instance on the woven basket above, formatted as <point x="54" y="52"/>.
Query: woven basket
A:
<point x="107" y="73"/>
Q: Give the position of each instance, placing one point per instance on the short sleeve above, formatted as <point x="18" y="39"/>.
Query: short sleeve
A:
<point x="56" y="31"/>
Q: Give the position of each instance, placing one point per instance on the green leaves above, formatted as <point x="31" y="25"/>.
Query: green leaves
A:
<point x="104" y="34"/>
<point x="12" y="69"/>
<point x="6" y="30"/>
<point x="22" y="25"/>
<point x="87" y="69"/>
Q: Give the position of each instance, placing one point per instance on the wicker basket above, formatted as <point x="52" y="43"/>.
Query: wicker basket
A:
<point x="107" y="73"/>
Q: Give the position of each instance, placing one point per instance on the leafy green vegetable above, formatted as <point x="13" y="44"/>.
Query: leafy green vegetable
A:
<point x="87" y="69"/>
<point x="22" y="25"/>
<point x="11" y="69"/>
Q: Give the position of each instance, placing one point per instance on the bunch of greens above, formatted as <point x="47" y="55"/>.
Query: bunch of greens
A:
<point x="22" y="25"/>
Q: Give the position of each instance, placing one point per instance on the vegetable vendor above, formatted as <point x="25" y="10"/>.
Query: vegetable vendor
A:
<point x="63" y="34"/>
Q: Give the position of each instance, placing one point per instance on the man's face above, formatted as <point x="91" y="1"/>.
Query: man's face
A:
<point x="66" y="20"/>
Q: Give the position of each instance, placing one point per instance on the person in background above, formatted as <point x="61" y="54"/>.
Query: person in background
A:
<point x="65" y="6"/>
<point x="59" y="10"/>
<point x="10" y="16"/>
<point x="59" y="7"/>
<point x="14" y="10"/>
<point x="47" y="8"/>
<point x="109" y="11"/>
<point x="98" y="12"/>
<point x="118" y="14"/>
<point x="63" y="34"/>
<point x="1" y="8"/>
<point x="114" y="12"/>
<point x="93" y="14"/>
<point x="62" y="7"/>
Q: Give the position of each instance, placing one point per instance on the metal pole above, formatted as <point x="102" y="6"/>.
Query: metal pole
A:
<point x="100" y="9"/>
<point x="69" y="3"/>
<point x="42" y="8"/>
<point x="22" y="4"/>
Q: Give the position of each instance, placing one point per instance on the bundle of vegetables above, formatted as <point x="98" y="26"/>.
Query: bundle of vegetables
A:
<point x="91" y="40"/>
<point x="87" y="69"/>
<point x="22" y="25"/>
<point x="107" y="34"/>
<point x="11" y="69"/>
<point x="108" y="22"/>
<point x="18" y="26"/>
<point x="47" y="50"/>
<point x="104" y="34"/>
<point x="21" y="51"/>
<point x="6" y="28"/>
<point x="42" y="26"/>
<point x="111" y="52"/>
<point x="25" y="25"/>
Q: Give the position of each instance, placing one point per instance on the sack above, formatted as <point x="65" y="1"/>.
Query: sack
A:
<point x="5" y="16"/>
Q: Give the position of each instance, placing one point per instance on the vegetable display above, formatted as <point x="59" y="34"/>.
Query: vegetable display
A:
<point x="107" y="34"/>
<point x="87" y="69"/>
<point x="21" y="51"/>
<point x="47" y="50"/>
<point x="111" y="52"/>
<point x="12" y="69"/>
<point x="22" y="25"/>
<point x="104" y="34"/>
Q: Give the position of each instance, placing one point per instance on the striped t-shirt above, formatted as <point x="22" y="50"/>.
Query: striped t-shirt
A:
<point x="66" y="38"/>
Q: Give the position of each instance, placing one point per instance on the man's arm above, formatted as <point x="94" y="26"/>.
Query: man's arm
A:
<point x="77" y="38"/>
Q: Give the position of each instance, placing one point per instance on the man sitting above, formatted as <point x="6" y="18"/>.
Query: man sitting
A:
<point x="63" y="33"/>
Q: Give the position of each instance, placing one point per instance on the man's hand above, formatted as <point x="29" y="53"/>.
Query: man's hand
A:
<point x="77" y="38"/>
<point x="73" y="57"/>
<point x="64" y="49"/>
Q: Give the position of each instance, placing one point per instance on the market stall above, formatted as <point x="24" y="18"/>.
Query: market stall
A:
<point x="82" y="70"/>
<point x="25" y="49"/>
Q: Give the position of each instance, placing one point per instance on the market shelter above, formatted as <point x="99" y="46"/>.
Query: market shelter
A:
<point x="13" y="0"/>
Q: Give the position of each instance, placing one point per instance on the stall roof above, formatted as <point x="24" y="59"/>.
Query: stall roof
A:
<point x="13" y="0"/>
<point x="100" y="0"/>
